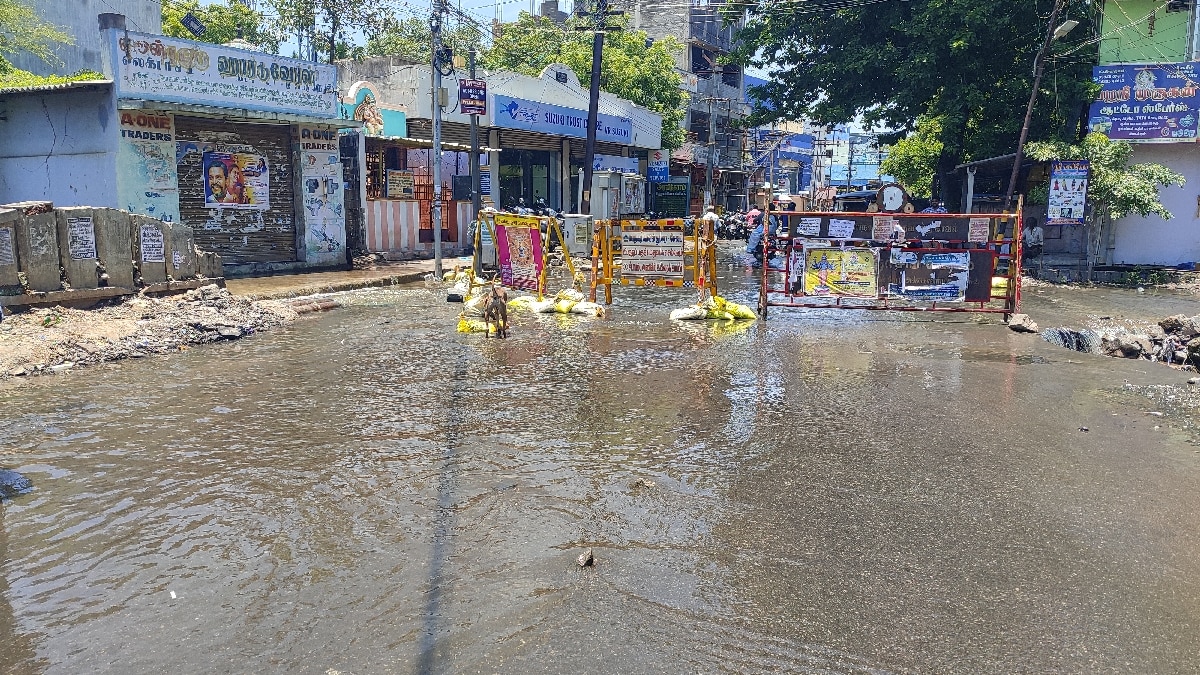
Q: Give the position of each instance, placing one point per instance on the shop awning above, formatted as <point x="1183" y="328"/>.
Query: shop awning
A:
<point x="423" y="143"/>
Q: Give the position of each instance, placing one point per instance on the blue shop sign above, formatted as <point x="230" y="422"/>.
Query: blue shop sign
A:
<point x="1147" y="103"/>
<point x="518" y="113"/>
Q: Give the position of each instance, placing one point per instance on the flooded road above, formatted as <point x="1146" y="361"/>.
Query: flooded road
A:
<point x="370" y="492"/>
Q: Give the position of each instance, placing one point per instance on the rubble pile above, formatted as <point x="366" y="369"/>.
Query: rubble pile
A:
<point x="1174" y="341"/>
<point x="57" y="339"/>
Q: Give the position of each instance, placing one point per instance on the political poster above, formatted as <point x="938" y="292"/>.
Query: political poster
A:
<point x="651" y="253"/>
<point x="936" y="275"/>
<point x="1068" y="193"/>
<point x="840" y="272"/>
<point x="236" y="180"/>
<point x="519" y="251"/>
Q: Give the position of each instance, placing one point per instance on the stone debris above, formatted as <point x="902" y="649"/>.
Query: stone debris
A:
<point x="1021" y="323"/>
<point x="586" y="559"/>
<point x="1174" y="341"/>
<point x="59" y="339"/>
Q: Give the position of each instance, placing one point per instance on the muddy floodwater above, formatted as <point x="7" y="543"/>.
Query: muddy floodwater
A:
<point x="368" y="491"/>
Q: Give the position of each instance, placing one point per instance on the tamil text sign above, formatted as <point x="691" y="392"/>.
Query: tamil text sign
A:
<point x="1147" y="102"/>
<point x="519" y="113"/>
<point x="652" y="253"/>
<point x="161" y="68"/>
<point x="472" y="97"/>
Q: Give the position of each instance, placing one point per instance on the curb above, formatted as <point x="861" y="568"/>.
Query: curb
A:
<point x="337" y="287"/>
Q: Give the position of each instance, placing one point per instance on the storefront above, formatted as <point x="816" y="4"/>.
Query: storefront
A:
<point x="240" y="145"/>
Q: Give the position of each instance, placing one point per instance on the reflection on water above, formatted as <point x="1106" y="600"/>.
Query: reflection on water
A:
<point x="369" y="491"/>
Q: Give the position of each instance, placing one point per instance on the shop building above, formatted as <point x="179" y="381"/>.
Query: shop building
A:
<point x="531" y="147"/>
<point x="239" y="145"/>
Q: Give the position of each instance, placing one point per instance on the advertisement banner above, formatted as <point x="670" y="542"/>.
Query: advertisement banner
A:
<point x="836" y="271"/>
<point x="519" y="113"/>
<point x="236" y="180"/>
<point x="649" y="253"/>
<point x="147" y="177"/>
<point x="1147" y="103"/>
<point x="519" y="251"/>
<point x="940" y="276"/>
<point x="472" y="97"/>
<point x="401" y="184"/>
<point x="162" y="68"/>
<point x="1068" y="193"/>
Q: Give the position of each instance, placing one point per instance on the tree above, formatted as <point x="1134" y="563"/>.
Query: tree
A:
<point x="412" y="39"/>
<point x="634" y="68"/>
<point x="966" y="63"/>
<point x="328" y="25"/>
<point x="222" y="23"/>
<point x="1115" y="188"/>
<point x="913" y="159"/>
<point x="21" y="29"/>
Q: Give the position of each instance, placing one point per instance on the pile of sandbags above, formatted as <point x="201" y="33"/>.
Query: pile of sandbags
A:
<point x="568" y="302"/>
<point x="717" y="308"/>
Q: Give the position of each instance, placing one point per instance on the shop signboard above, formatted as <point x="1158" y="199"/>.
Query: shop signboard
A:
<point x="1147" y="103"/>
<point x="615" y="163"/>
<point x="519" y="113"/>
<point x="671" y="198"/>
<point x="147" y="175"/>
<point x="1068" y="193"/>
<point x="472" y="97"/>
<point x="162" y="68"/>
<point x="659" y="167"/>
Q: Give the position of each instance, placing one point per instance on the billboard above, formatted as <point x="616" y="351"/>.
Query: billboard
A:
<point x="1147" y="103"/>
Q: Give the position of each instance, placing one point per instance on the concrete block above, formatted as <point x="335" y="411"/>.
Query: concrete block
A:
<point x="149" y="248"/>
<point x="210" y="265"/>
<point x="77" y="246"/>
<point x="113" y="246"/>
<point x="37" y="251"/>
<point x="10" y="283"/>
<point x="182" y="262"/>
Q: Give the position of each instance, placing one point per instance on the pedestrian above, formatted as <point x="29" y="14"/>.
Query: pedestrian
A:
<point x="712" y="221"/>
<point x="935" y="206"/>
<point x="1032" y="239"/>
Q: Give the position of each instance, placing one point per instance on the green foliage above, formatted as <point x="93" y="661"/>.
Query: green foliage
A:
<point x="966" y="63"/>
<point x="632" y="70"/>
<point x="412" y="39"/>
<point x="11" y="78"/>
<point x="1115" y="187"/>
<point x="913" y="160"/>
<point x="221" y="23"/>
<point x="21" y="29"/>
<point x="323" y="23"/>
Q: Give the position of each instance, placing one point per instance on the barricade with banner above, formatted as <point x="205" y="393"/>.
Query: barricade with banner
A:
<point x="522" y="245"/>
<point x="653" y="253"/>
<point x="904" y="262"/>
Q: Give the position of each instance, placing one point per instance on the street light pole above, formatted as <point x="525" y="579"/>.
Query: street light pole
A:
<point x="1038" y="64"/>
<point x="436" y="26"/>
<point x="475" y="187"/>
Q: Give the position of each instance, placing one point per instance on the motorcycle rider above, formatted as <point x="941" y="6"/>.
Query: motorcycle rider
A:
<point x="757" y="241"/>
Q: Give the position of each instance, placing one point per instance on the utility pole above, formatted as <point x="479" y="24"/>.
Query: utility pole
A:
<point x="708" y="169"/>
<point x="475" y="187"/>
<point x="599" y="29"/>
<point x="435" y="25"/>
<point x="1038" y="64"/>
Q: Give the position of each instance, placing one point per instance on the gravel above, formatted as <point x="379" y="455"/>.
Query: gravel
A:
<point x="58" y="339"/>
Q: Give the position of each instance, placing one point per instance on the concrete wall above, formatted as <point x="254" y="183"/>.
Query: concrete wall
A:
<point x="1152" y="240"/>
<point x="59" y="146"/>
<point x="78" y="18"/>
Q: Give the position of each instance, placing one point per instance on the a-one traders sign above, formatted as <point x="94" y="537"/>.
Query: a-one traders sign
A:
<point x="518" y="113"/>
<point x="161" y="68"/>
<point x="1147" y="103"/>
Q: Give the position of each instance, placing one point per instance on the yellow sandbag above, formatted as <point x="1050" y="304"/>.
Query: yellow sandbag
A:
<point x="570" y="295"/>
<point x="467" y="325"/>
<point x="523" y="302"/>
<point x="564" y="306"/>
<point x="740" y="311"/>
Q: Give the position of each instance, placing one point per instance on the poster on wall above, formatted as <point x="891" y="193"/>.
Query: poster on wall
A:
<point x="940" y="276"/>
<point x="841" y="272"/>
<point x="147" y="177"/>
<point x="519" y="251"/>
<point x="8" y="254"/>
<point x="81" y="238"/>
<point x="652" y="253"/>
<point x="1068" y="193"/>
<point x="401" y="184"/>
<point x="153" y="246"/>
<point x="236" y="180"/>
<point x="324" y="210"/>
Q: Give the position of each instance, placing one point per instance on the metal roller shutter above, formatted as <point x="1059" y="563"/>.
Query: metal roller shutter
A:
<point x="239" y="235"/>
<point x="524" y="140"/>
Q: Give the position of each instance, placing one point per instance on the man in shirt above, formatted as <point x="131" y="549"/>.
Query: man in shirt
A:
<point x="935" y="206"/>
<point x="1032" y="239"/>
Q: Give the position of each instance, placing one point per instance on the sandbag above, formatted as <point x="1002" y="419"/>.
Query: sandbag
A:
<point x="522" y="302"/>
<point x="469" y="325"/>
<point x="689" y="313"/>
<point x="591" y="309"/>
<point x="542" y="306"/>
